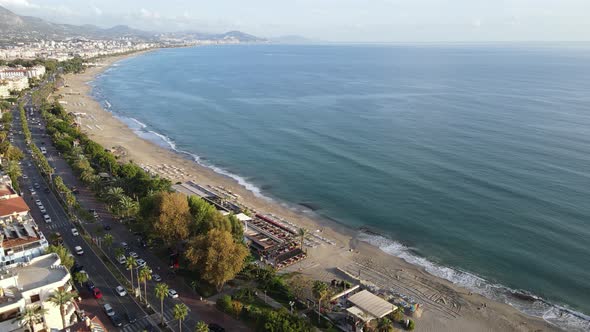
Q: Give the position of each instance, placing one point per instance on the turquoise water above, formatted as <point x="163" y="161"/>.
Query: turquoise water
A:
<point x="473" y="161"/>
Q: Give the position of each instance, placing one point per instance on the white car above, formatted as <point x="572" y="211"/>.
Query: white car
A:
<point x="156" y="277"/>
<point x="47" y="218"/>
<point x="25" y="176"/>
<point x="172" y="293"/>
<point x="108" y="310"/>
<point x="42" y="209"/>
<point x="38" y="202"/>
<point x="75" y="232"/>
<point x="133" y="254"/>
<point x="121" y="259"/>
<point x="79" y="251"/>
<point x="140" y="263"/>
<point x="120" y="290"/>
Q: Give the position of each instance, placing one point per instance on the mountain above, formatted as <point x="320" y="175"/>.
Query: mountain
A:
<point x="15" y="27"/>
<point x="292" y="39"/>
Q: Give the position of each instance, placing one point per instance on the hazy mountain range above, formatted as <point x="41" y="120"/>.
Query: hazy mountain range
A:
<point x="14" y="26"/>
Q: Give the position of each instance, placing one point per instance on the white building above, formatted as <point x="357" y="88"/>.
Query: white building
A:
<point x="4" y="92"/>
<point x="15" y="83"/>
<point x="31" y="284"/>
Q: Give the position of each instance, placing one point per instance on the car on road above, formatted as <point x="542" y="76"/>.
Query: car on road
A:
<point x="108" y="309"/>
<point x="156" y="277"/>
<point x="121" y="259"/>
<point x="216" y="328"/>
<point x="47" y="218"/>
<point x="120" y="290"/>
<point x="46" y="190"/>
<point x="116" y="320"/>
<point x="77" y="267"/>
<point x="90" y="285"/>
<point x="38" y="202"/>
<point x="124" y="245"/>
<point x="33" y="192"/>
<point x="97" y="293"/>
<point x="36" y="185"/>
<point x="107" y="227"/>
<point x="42" y="209"/>
<point x="172" y="293"/>
<point x="133" y="254"/>
<point x="25" y="176"/>
<point x="140" y="263"/>
<point x="79" y="251"/>
<point x="130" y="317"/>
<point x="75" y="232"/>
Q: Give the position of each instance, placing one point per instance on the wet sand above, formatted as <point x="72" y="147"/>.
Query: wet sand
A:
<point x="447" y="307"/>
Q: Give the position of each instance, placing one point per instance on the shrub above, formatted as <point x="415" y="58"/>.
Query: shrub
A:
<point x="411" y="325"/>
<point x="224" y="303"/>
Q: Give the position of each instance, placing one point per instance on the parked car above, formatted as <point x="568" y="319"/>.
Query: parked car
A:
<point x="36" y="185"/>
<point x="47" y="218"/>
<point x="140" y="263"/>
<point x="216" y="328"/>
<point x="38" y="202"/>
<point x="107" y="227"/>
<point x="97" y="293"/>
<point x="42" y="209"/>
<point x="79" y="251"/>
<point x="156" y="277"/>
<point x="75" y="232"/>
<point x="120" y="290"/>
<point x="133" y="254"/>
<point x="124" y="245"/>
<point x="108" y="309"/>
<point x="116" y="320"/>
<point x="89" y="285"/>
<point x="130" y="317"/>
<point x="172" y="293"/>
<point x="121" y="259"/>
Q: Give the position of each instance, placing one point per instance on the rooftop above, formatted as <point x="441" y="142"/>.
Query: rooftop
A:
<point x="370" y="304"/>
<point x="13" y="205"/>
<point x="41" y="271"/>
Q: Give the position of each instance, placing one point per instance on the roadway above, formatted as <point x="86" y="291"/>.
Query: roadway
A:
<point x="92" y="264"/>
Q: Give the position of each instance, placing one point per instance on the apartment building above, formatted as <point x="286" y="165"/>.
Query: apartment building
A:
<point x="32" y="284"/>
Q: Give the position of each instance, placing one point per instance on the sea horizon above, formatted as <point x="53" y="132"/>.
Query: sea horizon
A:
<point x="106" y="89"/>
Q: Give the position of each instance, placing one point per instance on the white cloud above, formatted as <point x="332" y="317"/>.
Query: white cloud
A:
<point x="18" y="3"/>
<point x="97" y="10"/>
<point x="149" y="14"/>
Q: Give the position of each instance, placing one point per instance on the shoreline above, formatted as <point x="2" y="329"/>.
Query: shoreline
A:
<point x="464" y="311"/>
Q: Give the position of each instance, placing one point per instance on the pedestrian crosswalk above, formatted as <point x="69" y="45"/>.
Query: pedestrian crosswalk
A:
<point x="141" y="325"/>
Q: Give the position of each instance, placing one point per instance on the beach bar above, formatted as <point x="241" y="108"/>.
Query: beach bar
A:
<point x="366" y="307"/>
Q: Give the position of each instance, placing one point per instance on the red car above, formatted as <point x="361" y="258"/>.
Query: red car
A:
<point x="97" y="293"/>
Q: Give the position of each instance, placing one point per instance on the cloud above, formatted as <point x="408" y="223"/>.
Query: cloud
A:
<point x="149" y="14"/>
<point x="18" y="3"/>
<point x="97" y="10"/>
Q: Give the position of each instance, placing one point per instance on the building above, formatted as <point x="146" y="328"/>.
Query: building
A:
<point x="89" y="323"/>
<point x="365" y="308"/>
<point x="16" y="83"/>
<point x="4" y="92"/>
<point x="33" y="283"/>
<point x="32" y="72"/>
<point x="36" y="71"/>
<point x="20" y="237"/>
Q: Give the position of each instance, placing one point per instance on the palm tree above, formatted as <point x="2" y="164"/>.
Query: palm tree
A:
<point x="302" y="233"/>
<point x="113" y="195"/>
<point x="87" y="176"/>
<point x="80" y="277"/>
<point x="127" y="207"/>
<point x="180" y="311"/>
<point x="131" y="263"/>
<point x="201" y="327"/>
<point x="108" y="240"/>
<point x="161" y="292"/>
<point x="145" y="275"/>
<point x="320" y="291"/>
<point x="384" y="325"/>
<point x="119" y="252"/>
<point x="61" y="298"/>
<point x="30" y="316"/>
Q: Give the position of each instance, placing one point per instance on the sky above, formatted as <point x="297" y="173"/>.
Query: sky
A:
<point x="334" y="20"/>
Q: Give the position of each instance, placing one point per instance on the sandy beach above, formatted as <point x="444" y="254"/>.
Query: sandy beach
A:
<point x="447" y="307"/>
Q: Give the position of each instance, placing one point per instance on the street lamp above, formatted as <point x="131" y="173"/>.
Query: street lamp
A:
<point x="291" y="303"/>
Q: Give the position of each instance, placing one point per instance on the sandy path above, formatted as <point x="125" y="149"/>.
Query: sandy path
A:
<point x="459" y="311"/>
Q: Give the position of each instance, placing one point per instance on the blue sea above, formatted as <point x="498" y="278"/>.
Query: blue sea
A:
<point x="470" y="160"/>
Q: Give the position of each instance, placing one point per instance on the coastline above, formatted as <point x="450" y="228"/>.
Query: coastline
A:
<point x="463" y="310"/>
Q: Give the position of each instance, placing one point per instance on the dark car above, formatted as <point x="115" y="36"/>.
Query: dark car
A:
<point x="90" y="285"/>
<point x="216" y="328"/>
<point x="46" y="190"/>
<point x="77" y="267"/>
<point x="116" y="320"/>
<point x="130" y="318"/>
<point x="107" y="227"/>
<point x="150" y="328"/>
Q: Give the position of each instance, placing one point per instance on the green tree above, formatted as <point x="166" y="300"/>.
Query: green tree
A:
<point x="119" y="252"/>
<point x="64" y="255"/>
<point x="201" y="327"/>
<point x="80" y="277"/>
<point x="31" y="315"/>
<point x="397" y="315"/>
<point x="131" y="263"/>
<point x="302" y="232"/>
<point x="384" y="325"/>
<point x="161" y="293"/>
<point x="108" y="240"/>
<point x="216" y="256"/>
<point x="127" y="207"/>
<point x="61" y="298"/>
<point x="320" y="291"/>
<point x="180" y="311"/>
<point x="144" y="276"/>
<point x="113" y="196"/>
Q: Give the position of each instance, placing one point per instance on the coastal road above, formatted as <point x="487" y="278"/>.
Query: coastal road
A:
<point x="199" y="310"/>
<point x="92" y="264"/>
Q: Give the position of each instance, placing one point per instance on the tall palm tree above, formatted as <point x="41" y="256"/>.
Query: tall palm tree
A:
<point x="113" y="195"/>
<point x="180" y="311"/>
<point x="80" y="277"/>
<point x="201" y="327"/>
<point x="320" y="291"/>
<point x="108" y="240"/>
<point x="145" y="275"/>
<point x="61" y="298"/>
<point x="131" y="263"/>
<point x="127" y="207"/>
<point x="302" y="232"/>
<point x="30" y="316"/>
<point x="161" y="292"/>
